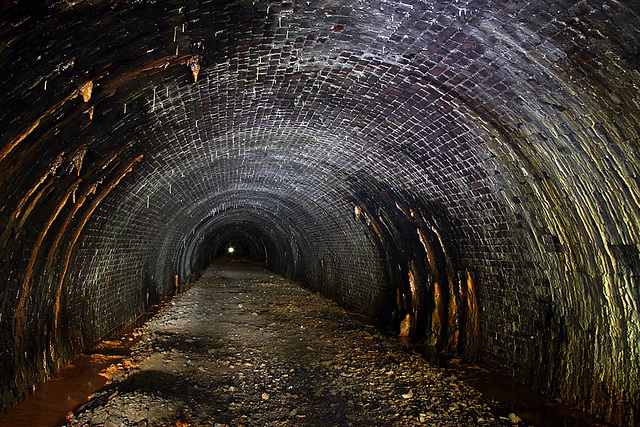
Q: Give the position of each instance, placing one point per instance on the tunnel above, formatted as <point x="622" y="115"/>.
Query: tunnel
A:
<point x="464" y="171"/>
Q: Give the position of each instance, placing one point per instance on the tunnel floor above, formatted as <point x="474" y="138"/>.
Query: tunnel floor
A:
<point x="244" y="346"/>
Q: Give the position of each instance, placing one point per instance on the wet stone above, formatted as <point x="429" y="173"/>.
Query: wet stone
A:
<point x="246" y="347"/>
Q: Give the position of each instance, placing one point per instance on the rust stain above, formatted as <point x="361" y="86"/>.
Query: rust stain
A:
<point x="473" y="321"/>
<point x="13" y="144"/>
<point x="45" y="190"/>
<point x="93" y="207"/>
<point x="156" y="66"/>
<point x="405" y="326"/>
<point x="375" y="228"/>
<point x="382" y="215"/>
<point x="370" y="223"/>
<point x="453" y="316"/>
<point x="415" y="290"/>
<point x="91" y="190"/>
<point x="266" y="253"/>
<point x="86" y="91"/>
<point x="401" y="209"/>
<point x="14" y="216"/>
<point x="431" y="259"/>
<point x="18" y="164"/>
<point x="437" y="233"/>
<point x="437" y="326"/>
<point x="26" y="285"/>
<point x="77" y="206"/>
<point x="413" y="287"/>
<point x="112" y="158"/>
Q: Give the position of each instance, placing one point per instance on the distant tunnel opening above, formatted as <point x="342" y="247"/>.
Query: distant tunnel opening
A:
<point x="466" y="172"/>
<point x="250" y="235"/>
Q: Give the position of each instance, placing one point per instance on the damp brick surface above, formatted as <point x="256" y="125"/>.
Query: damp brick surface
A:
<point x="466" y="172"/>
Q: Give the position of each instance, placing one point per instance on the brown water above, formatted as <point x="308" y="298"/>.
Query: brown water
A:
<point x="51" y="402"/>
<point x="70" y="388"/>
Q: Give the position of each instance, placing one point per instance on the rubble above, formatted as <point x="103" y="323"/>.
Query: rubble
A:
<point x="246" y="347"/>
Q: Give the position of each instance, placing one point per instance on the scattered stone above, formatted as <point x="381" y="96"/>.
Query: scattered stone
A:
<point x="408" y="395"/>
<point x="302" y="361"/>
<point x="514" y="418"/>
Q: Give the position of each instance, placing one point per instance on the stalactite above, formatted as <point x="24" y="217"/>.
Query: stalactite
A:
<point x="86" y="89"/>
<point x="194" y="65"/>
<point x="78" y="158"/>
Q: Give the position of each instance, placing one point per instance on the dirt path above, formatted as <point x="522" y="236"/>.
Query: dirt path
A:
<point x="247" y="347"/>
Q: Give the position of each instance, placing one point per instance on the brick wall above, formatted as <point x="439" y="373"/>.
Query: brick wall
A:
<point x="470" y="164"/>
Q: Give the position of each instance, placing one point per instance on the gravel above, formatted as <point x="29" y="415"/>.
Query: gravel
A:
<point x="246" y="347"/>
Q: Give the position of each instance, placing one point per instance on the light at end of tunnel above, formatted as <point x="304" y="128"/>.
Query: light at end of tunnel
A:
<point x="231" y="250"/>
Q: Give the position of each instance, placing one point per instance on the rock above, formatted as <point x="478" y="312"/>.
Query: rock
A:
<point x="514" y="418"/>
<point x="265" y="396"/>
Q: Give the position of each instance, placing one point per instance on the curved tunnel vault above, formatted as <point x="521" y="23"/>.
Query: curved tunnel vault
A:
<point x="465" y="171"/>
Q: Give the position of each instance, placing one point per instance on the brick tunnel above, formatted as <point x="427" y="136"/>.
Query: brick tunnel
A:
<point x="464" y="170"/>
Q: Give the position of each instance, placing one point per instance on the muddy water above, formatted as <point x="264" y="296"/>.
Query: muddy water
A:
<point x="50" y="403"/>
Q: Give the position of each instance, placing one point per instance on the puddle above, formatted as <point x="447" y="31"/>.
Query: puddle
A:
<point x="50" y="403"/>
<point x="533" y="408"/>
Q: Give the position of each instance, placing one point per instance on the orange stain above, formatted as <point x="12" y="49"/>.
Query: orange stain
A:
<point x="93" y="207"/>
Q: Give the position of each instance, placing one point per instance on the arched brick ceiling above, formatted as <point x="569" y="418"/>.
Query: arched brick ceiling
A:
<point x="391" y="155"/>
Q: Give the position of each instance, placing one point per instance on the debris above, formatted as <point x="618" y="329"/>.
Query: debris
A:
<point x="301" y="359"/>
<point x="408" y="395"/>
<point x="514" y="418"/>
